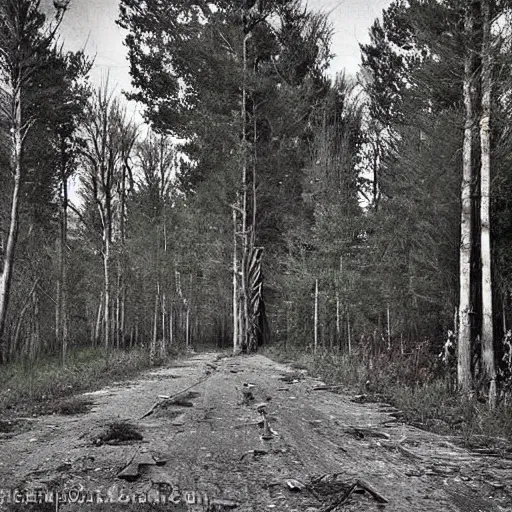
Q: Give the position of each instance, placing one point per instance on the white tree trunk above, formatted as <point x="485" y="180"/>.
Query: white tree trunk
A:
<point x="8" y="263"/>
<point x="485" y="191"/>
<point x="236" y="341"/>
<point x="464" y="377"/>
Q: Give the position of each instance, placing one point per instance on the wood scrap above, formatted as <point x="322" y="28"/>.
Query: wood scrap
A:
<point x="398" y="446"/>
<point x="326" y="388"/>
<point x="261" y="407"/>
<point x="358" y="484"/>
<point x="177" y="396"/>
<point x="267" y="431"/>
<point x="295" y="485"/>
<point x="376" y="495"/>
<point x="362" y="432"/>
<point x="132" y="470"/>
<point x="254" y="453"/>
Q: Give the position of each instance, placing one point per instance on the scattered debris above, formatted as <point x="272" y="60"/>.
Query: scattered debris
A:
<point x="261" y="407"/>
<point x="292" y="377"/>
<point x="132" y="470"/>
<point x="222" y="505"/>
<point x="295" y="485"/>
<point x="326" y="388"/>
<point x="399" y="446"/>
<point x="66" y="466"/>
<point x="120" y="432"/>
<point x="267" y="431"/>
<point x="362" y="432"/>
<point x="247" y="396"/>
<point x="254" y="453"/>
<point x="169" y="400"/>
<point x="332" y="484"/>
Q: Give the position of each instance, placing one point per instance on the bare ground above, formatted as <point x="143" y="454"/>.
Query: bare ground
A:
<point x="320" y="448"/>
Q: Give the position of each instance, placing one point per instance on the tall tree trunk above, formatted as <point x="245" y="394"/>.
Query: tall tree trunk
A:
<point x="16" y="162"/>
<point x="316" y="317"/>
<point x="485" y="216"/>
<point x="163" y="341"/>
<point x="152" y="349"/>
<point x="244" y="327"/>
<point x="97" y="331"/>
<point x="62" y="296"/>
<point x="106" y="292"/>
<point x="236" y="339"/>
<point x="464" y="377"/>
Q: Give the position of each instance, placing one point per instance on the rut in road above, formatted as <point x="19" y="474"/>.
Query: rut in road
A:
<point x="249" y="434"/>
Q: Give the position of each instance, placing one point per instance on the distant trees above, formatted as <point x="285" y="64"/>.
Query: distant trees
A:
<point x="108" y="141"/>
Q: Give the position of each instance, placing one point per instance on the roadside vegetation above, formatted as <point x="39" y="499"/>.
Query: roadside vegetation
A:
<point x="47" y="387"/>
<point x="423" y="394"/>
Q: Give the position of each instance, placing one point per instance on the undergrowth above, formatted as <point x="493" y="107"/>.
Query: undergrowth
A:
<point x="41" y="387"/>
<point x="424" y="395"/>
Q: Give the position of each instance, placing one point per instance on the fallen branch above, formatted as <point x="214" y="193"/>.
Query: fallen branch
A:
<point x="358" y="484"/>
<point x="326" y="388"/>
<point x="173" y="398"/>
<point x="398" y="446"/>
<point x="377" y="496"/>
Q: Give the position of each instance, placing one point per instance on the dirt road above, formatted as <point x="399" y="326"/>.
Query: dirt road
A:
<point x="244" y="439"/>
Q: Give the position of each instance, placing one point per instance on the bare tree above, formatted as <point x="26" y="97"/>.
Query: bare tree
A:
<point x="108" y="140"/>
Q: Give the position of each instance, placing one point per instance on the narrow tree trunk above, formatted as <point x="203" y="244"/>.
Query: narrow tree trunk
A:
<point x="464" y="376"/>
<point x="97" y="332"/>
<point x="21" y="316"/>
<point x="349" y="335"/>
<point x="389" y="328"/>
<point x="64" y="271"/>
<point x="338" y="322"/>
<point x="171" y="325"/>
<point x="163" y="343"/>
<point x="316" y="317"/>
<point x="36" y="333"/>
<point x="485" y="216"/>
<point x="152" y="350"/>
<point x="106" y="292"/>
<point x="16" y="162"/>
<point x="244" y="327"/>
<point x="236" y="341"/>
<point x="187" y="329"/>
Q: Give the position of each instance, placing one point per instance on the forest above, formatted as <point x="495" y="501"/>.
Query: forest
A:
<point x="263" y="204"/>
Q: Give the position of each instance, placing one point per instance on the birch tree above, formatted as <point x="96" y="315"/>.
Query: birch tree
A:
<point x="487" y="337"/>
<point x="464" y="375"/>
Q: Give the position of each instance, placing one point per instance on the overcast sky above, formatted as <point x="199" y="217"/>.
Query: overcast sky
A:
<point x="91" y="23"/>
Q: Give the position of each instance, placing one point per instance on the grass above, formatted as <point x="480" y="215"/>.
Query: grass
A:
<point x="42" y="387"/>
<point x="425" y="397"/>
<point x="119" y="432"/>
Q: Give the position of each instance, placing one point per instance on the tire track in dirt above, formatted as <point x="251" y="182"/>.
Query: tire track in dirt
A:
<point x="214" y="447"/>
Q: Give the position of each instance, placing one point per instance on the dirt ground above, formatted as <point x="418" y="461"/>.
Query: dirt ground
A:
<point x="244" y="439"/>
